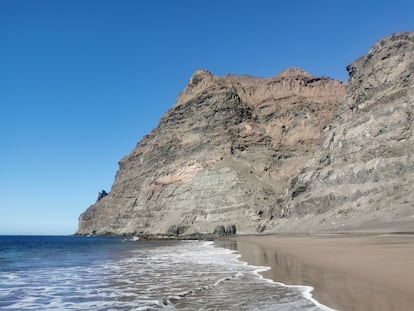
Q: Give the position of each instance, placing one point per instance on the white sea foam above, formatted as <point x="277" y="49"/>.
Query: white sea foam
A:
<point x="191" y="275"/>
<point x="306" y="291"/>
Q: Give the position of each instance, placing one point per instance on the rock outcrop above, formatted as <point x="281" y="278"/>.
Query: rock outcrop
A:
<point x="101" y="195"/>
<point x="294" y="152"/>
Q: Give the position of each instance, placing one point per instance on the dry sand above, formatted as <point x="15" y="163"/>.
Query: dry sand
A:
<point x="348" y="272"/>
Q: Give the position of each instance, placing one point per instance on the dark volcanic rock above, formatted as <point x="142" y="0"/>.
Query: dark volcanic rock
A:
<point x="224" y="230"/>
<point x="101" y="195"/>
<point x="219" y="230"/>
<point x="231" y="229"/>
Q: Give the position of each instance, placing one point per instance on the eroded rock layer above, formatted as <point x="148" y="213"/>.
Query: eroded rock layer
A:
<point x="363" y="175"/>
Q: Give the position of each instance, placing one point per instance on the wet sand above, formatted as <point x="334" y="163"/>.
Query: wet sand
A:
<point x="348" y="272"/>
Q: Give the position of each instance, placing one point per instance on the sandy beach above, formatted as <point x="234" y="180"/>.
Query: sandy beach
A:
<point x="348" y="272"/>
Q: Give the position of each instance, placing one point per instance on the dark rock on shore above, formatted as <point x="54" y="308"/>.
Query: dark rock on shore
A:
<point x="225" y="230"/>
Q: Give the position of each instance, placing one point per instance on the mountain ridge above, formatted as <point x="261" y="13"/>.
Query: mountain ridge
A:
<point x="257" y="153"/>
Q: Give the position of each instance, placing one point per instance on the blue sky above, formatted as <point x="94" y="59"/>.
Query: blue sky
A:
<point x="81" y="81"/>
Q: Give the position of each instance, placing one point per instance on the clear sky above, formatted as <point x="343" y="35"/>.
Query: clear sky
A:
<point x="81" y="81"/>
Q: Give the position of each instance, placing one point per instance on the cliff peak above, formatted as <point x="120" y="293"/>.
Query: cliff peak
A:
<point x="200" y="80"/>
<point x="198" y="76"/>
<point x="293" y="72"/>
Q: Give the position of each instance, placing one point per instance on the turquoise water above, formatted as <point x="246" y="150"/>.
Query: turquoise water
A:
<point x="106" y="273"/>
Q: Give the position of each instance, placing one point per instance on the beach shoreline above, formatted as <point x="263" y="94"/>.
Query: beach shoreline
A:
<point x="347" y="271"/>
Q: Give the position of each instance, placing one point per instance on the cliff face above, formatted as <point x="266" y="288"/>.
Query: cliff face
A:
<point x="222" y="155"/>
<point x="363" y="175"/>
<point x="293" y="152"/>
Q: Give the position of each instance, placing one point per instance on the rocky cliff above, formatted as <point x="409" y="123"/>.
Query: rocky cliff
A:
<point x="294" y="152"/>
<point x="363" y="175"/>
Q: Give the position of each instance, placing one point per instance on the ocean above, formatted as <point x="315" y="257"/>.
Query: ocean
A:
<point x="115" y="273"/>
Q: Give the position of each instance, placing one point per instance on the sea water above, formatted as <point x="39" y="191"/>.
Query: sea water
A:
<point x="107" y="273"/>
